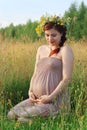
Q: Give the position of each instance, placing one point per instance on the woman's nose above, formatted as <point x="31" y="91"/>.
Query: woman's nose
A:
<point x="50" y="38"/>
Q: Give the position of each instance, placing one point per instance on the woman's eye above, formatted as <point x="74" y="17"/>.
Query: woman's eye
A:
<point x="47" y="35"/>
<point x="54" y="35"/>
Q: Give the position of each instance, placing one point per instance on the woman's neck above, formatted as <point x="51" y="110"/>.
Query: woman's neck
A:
<point x="53" y="47"/>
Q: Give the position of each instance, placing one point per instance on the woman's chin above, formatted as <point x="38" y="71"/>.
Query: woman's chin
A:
<point x="51" y="44"/>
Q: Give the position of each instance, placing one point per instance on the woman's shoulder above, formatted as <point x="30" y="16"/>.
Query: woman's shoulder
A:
<point x="67" y="50"/>
<point x="42" y="48"/>
<point x="66" y="47"/>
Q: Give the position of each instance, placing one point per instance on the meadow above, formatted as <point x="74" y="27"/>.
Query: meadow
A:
<point x="16" y="68"/>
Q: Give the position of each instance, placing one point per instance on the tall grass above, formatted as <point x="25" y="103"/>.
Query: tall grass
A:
<point x="16" y="68"/>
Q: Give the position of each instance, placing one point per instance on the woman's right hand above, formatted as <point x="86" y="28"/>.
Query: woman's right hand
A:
<point x="32" y="97"/>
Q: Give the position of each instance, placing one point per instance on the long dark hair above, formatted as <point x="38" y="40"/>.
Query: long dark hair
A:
<point x="60" y="28"/>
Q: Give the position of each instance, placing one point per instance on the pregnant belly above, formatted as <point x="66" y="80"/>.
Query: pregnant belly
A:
<point x="44" y="84"/>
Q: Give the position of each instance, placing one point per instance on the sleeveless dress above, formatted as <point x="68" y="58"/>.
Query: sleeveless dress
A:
<point x="43" y="82"/>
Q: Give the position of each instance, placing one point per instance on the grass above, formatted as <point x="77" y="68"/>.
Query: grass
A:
<point x="16" y="68"/>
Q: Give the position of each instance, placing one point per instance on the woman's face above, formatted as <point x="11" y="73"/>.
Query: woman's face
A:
<point x="53" y="37"/>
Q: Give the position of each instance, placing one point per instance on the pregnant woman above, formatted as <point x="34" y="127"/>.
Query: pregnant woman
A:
<point x="48" y="91"/>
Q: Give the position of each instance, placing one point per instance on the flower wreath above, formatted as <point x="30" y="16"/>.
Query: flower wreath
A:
<point x="53" y="18"/>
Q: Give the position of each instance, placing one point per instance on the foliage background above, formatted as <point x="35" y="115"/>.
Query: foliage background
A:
<point x="26" y="33"/>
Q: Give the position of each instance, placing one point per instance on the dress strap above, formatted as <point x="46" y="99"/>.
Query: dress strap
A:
<point x="55" y="51"/>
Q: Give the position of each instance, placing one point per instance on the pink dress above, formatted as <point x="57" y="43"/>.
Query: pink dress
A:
<point x="44" y="81"/>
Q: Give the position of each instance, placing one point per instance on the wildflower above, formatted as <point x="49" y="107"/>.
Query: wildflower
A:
<point x="9" y="102"/>
<point x="30" y="122"/>
<point x="17" y="124"/>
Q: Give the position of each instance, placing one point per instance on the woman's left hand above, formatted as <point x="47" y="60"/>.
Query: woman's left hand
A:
<point x="44" y="99"/>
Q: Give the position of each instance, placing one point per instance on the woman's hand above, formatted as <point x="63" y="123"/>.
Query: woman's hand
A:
<point x="44" y="99"/>
<point x="32" y="97"/>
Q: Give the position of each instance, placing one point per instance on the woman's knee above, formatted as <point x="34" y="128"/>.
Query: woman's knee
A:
<point x="11" y="115"/>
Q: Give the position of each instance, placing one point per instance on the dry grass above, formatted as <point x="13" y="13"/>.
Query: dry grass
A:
<point x="18" y="59"/>
<point x="80" y="54"/>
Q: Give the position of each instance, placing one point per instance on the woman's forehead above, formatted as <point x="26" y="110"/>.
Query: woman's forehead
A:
<point x="51" y="31"/>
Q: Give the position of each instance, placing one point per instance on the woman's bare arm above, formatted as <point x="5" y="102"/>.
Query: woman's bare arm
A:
<point x="67" y="61"/>
<point x="30" y="93"/>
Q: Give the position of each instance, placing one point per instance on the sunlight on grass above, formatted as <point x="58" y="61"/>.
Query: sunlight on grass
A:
<point x="16" y="68"/>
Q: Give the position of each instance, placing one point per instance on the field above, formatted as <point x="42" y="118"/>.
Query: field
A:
<point x="16" y="68"/>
